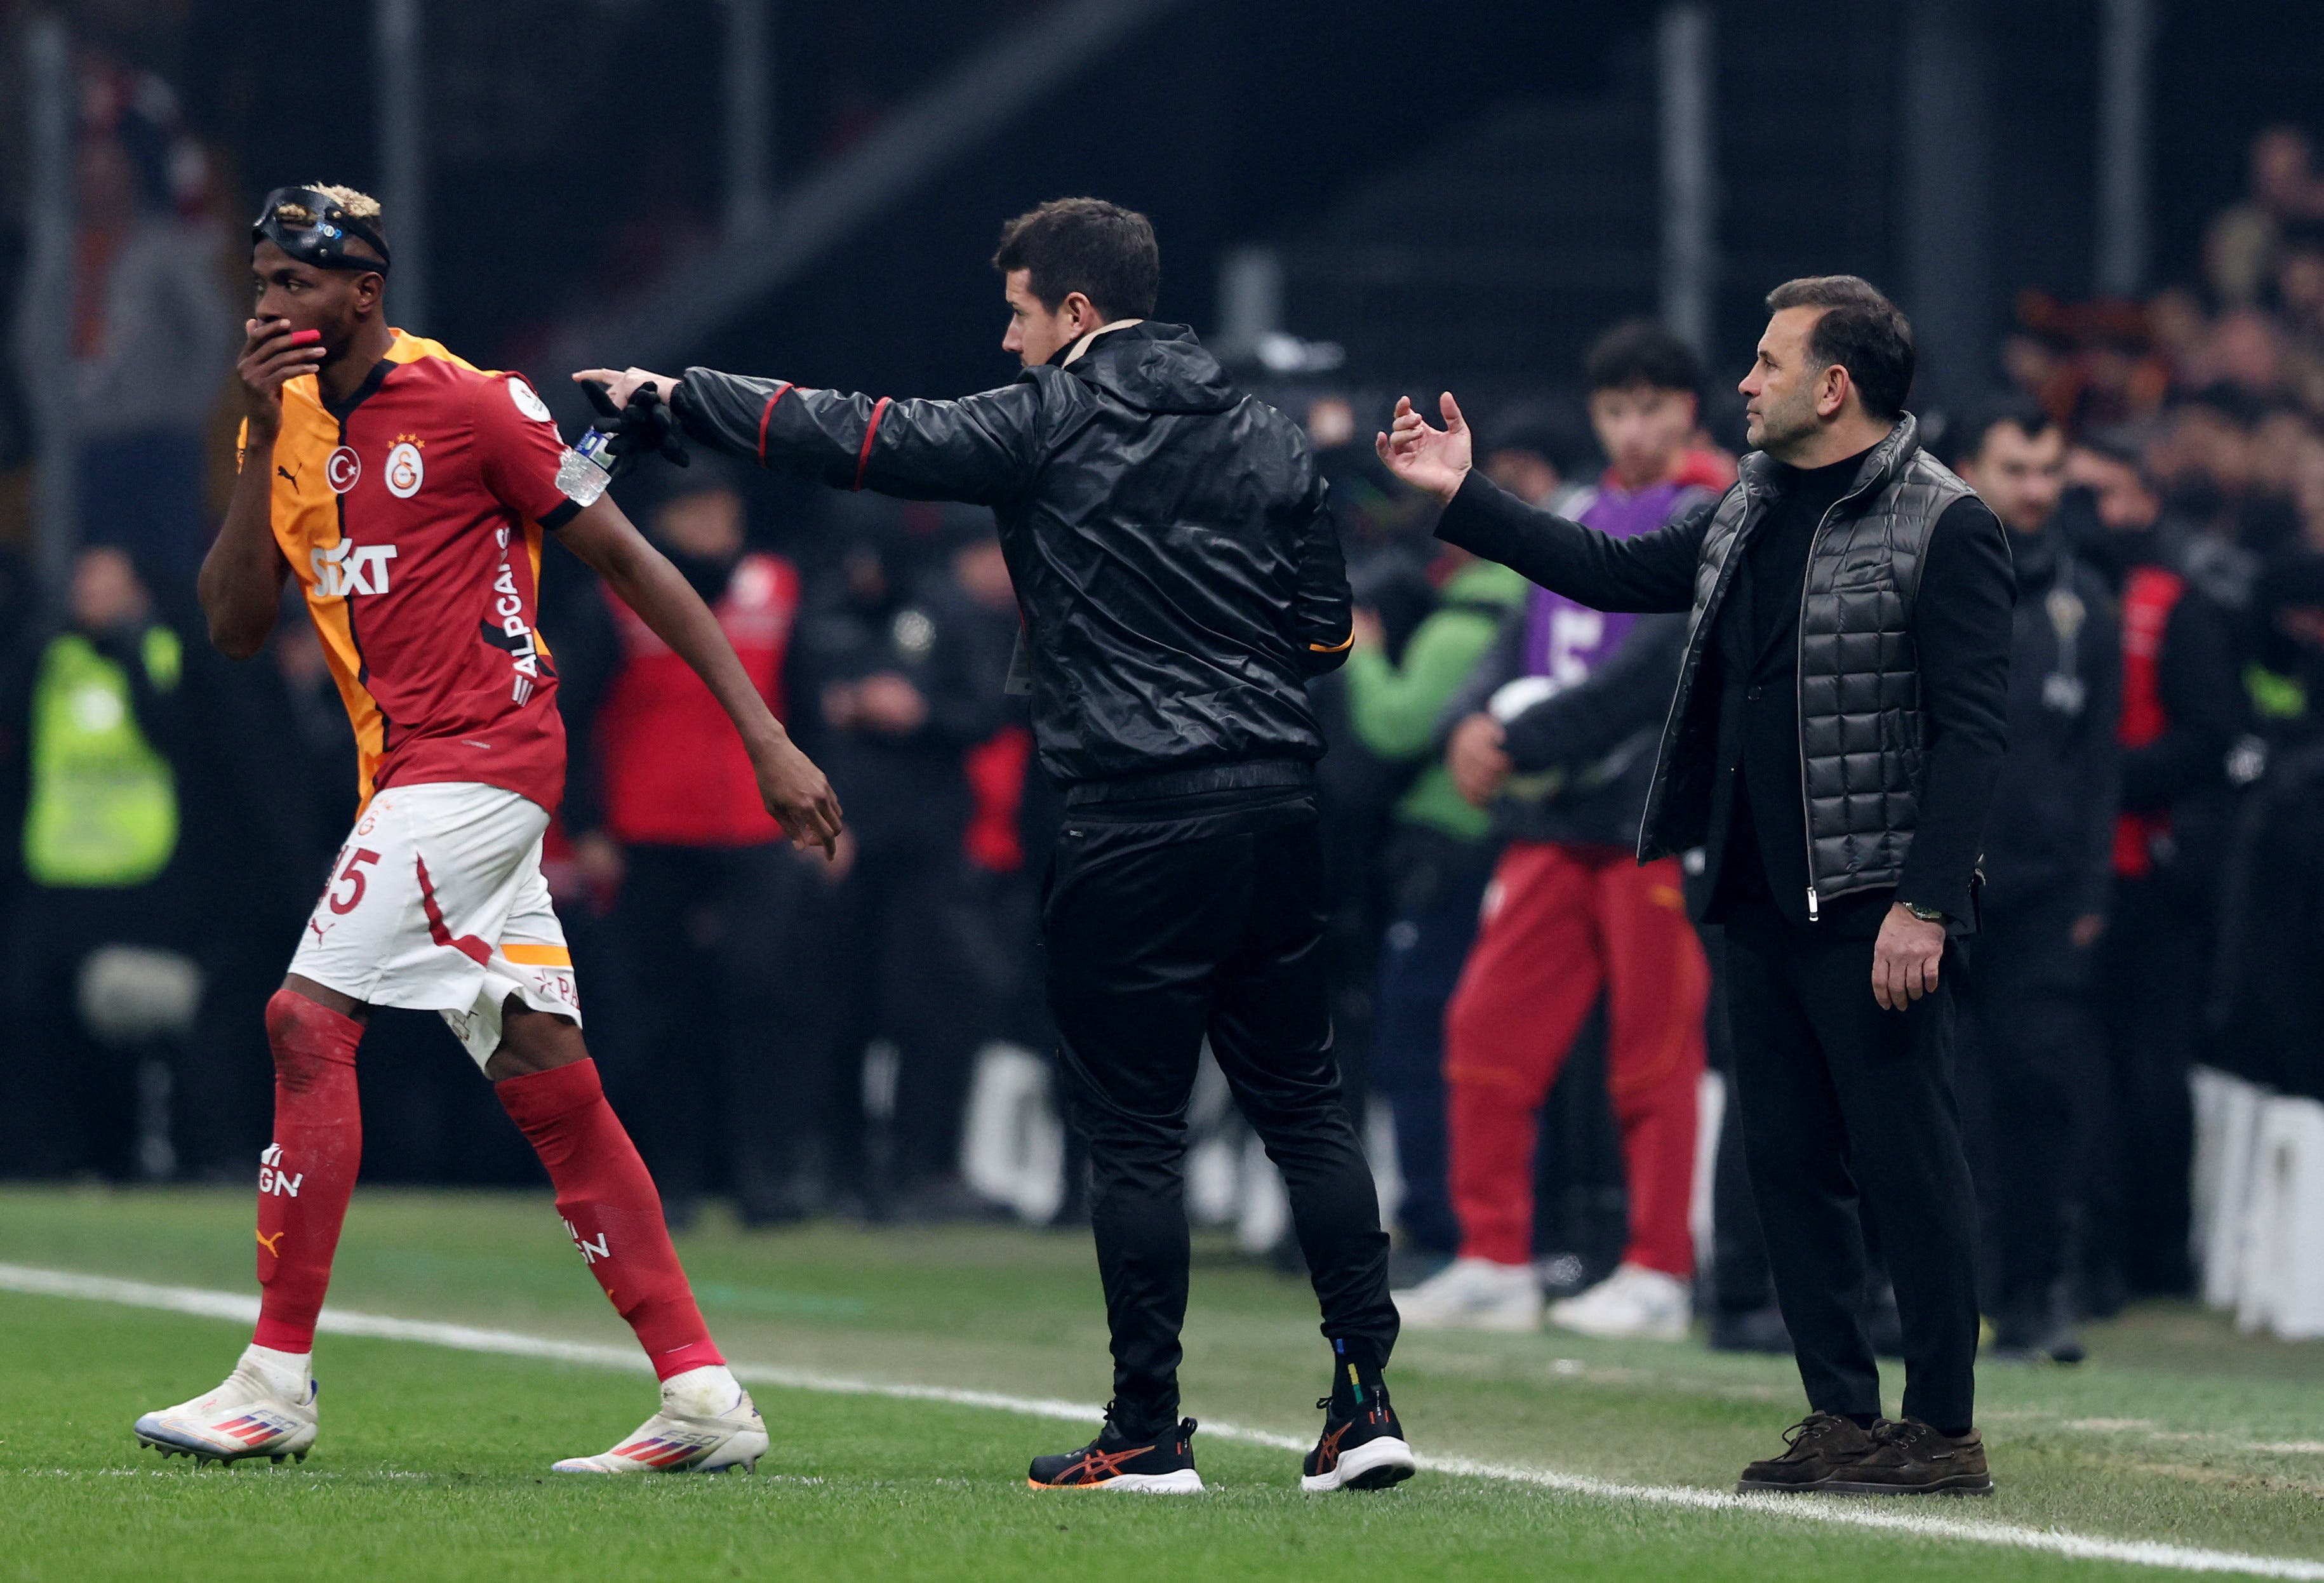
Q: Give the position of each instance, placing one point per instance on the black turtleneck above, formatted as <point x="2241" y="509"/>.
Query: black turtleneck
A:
<point x="1778" y="552"/>
<point x="1767" y="784"/>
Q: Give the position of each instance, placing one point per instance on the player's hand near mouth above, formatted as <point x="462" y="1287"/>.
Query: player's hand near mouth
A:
<point x="273" y="354"/>
<point x="240" y="579"/>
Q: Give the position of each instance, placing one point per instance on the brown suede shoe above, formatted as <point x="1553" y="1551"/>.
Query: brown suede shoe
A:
<point x="1909" y="1458"/>
<point x="1814" y="1448"/>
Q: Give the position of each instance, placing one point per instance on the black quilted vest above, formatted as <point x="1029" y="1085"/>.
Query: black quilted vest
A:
<point x="1862" y="731"/>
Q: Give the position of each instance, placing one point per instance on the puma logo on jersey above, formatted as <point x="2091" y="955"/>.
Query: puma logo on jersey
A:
<point x="352" y="568"/>
<point x="281" y="470"/>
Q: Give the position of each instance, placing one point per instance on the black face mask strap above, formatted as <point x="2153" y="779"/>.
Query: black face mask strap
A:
<point x="360" y="230"/>
<point x="316" y="230"/>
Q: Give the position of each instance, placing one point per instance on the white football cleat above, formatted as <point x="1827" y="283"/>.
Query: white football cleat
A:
<point x="251" y="1414"/>
<point x="1634" y="1304"/>
<point x="707" y="1423"/>
<point x="1473" y="1295"/>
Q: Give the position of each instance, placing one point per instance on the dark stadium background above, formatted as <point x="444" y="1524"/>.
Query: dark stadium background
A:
<point x="576" y="147"/>
<point x="1456" y="196"/>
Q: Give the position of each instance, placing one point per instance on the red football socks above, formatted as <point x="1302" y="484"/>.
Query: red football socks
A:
<point x="612" y="1210"/>
<point x="306" y="1175"/>
<point x="602" y="1188"/>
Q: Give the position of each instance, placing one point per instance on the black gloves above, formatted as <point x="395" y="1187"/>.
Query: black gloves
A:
<point x="644" y="426"/>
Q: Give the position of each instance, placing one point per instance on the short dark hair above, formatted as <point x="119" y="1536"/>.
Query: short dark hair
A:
<point x="1085" y="244"/>
<point x="1966" y="435"/>
<point x="1640" y="352"/>
<point x="1860" y="330"/>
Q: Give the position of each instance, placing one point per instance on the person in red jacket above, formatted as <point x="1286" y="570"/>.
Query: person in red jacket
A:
<point x="707" y="893"/>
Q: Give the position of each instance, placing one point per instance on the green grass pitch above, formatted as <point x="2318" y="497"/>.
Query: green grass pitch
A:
<point x="433" y="1462"/>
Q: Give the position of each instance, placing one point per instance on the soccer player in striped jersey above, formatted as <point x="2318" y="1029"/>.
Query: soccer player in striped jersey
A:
<point x="409" y="494"/>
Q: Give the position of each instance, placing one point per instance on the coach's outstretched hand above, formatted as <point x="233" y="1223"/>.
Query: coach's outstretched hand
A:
<point x="620" y="385"/>
<point x="1432" y="459"/>
<point x="640" y="427"/>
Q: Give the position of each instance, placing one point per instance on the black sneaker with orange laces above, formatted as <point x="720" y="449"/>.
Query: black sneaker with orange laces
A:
<point x="1155" y="1464"/>
<point x="1362" y="1448"/>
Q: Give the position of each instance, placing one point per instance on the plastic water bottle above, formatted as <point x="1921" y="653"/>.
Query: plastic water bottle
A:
<point x="585" y="468"/>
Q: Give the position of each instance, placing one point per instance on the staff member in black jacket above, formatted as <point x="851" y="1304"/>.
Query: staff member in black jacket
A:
<point x="1180" y="580"/>
<point x="1837" y="726"/>
<point x="2030" y="1047"/>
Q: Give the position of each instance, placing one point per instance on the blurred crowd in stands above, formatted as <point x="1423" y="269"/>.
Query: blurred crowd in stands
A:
<point x="800" y="1036"/>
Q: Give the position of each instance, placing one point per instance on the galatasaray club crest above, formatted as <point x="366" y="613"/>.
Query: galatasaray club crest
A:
<point x="405" y="470"/>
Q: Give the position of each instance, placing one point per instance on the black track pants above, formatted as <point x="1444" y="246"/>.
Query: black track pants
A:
<point x="1845" y="1103"/>
<point x="1159" y="933"/>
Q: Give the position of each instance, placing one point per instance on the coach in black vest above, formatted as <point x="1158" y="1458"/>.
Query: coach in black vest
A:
<point x="1832" y="750"/>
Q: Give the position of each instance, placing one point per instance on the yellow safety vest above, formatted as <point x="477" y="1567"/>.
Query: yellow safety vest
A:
<point x="104" y="806"/>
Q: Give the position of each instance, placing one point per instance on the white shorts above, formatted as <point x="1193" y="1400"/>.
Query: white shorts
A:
<point x="437" y="903"/>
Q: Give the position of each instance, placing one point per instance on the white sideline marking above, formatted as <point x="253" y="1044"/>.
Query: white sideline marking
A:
<point x="1839" y="1513"/>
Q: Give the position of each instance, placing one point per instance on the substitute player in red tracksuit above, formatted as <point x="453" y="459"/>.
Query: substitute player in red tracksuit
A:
<point x="408" y="492"/>
<point x="1557" y="732"/>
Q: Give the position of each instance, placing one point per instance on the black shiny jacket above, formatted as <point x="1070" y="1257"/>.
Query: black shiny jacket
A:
<point x="1178" y="573"/>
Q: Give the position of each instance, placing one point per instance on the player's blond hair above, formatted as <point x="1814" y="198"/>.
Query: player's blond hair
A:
<point x="360" y="205"/>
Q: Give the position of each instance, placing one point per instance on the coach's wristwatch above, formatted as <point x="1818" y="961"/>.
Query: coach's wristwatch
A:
<point x="1927" y="915"/>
